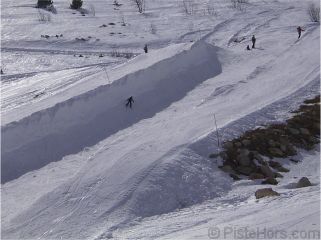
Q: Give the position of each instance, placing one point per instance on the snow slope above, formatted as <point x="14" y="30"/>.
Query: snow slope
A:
<point x="293" y="215"/>
<point x="128" y="164"/>
<point x="83" y="121"/>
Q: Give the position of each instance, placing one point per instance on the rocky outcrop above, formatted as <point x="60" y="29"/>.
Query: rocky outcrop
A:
<point x="251" y="154"/>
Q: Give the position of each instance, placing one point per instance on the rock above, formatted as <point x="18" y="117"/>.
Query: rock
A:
<point x="244" y="170"/>
<point x="267" y="171"/>
<point x="313" y="140"/>
<point x="302" y="143"/>
<point x="274" y="164"/>
<point x="316" y="99"/>
<point x="254" y="176"/>
<point x="276" y="152"/>
<point x="278" y="175"/>
<point x="265" y="192"/>
<point x="294" y="160"/>
<point x="251" y="156"/>
<point x="228" y="145"/>
<point x="290" y="151"/>
<point x="271" y="181"/>
<point x="235" y="177"/>
<point x="246" y="142"/>
<point x="214" y="155"/>
<point x="278" y="166"/>
<point x="284" y="140"/>
<point x="282" y="169"/>
<point x="294" y="131"/>
<point x="278" y="131"/>
<point x="244" y="151"/>
<point x="303" y="182"/>
<point x="223" y="155"/>
<point x="238" y="144"/>
<point x="257" y="156"/>
<point x="227" y="168"/>
<point x="264" y="163"/>
<point x="304" y="131"/>
<point x="271" y="143"/>
<point x="243" y="158"/>
<point x="283" y="148"/>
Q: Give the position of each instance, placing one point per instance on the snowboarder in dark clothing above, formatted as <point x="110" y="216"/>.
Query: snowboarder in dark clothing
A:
<point x="145" y="49"/>
<point x="253" y="41"/>
<point x="130" y="102"/>
<point x="1" y="71"/>
<point x="300" y="30"/>
<point x="248" y="47"/>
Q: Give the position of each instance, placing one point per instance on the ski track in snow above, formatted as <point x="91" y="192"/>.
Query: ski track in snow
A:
<point x="99" y="170"/>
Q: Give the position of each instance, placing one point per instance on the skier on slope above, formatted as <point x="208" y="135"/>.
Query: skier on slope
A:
<point x="300" y="30"/>
<point x="130" y="101"/>
<point x="253" y="41"/>
<point x="146" y="48"/>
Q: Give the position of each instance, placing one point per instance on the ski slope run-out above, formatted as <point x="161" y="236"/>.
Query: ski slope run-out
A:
<point x="76" y="163"/>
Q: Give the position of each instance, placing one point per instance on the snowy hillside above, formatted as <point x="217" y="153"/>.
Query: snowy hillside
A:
<point x="76" y="163"/>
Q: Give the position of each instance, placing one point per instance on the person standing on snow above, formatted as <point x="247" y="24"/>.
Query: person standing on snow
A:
<point x="300" y="30"/>
<point x="130" y="101"/>
<point x="146" y="48"/>
<point x="253" y="41"/>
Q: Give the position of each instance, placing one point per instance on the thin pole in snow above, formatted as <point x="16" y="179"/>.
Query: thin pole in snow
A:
<point x="106" y="74"/>
<point x="217" y="134"/>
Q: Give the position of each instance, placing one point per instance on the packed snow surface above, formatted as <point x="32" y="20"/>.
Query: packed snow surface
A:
<point x="76" y="163"/>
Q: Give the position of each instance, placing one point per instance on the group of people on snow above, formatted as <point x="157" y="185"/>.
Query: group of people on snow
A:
<point x="299" y="29"/>
<point x="130" y="100"/>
